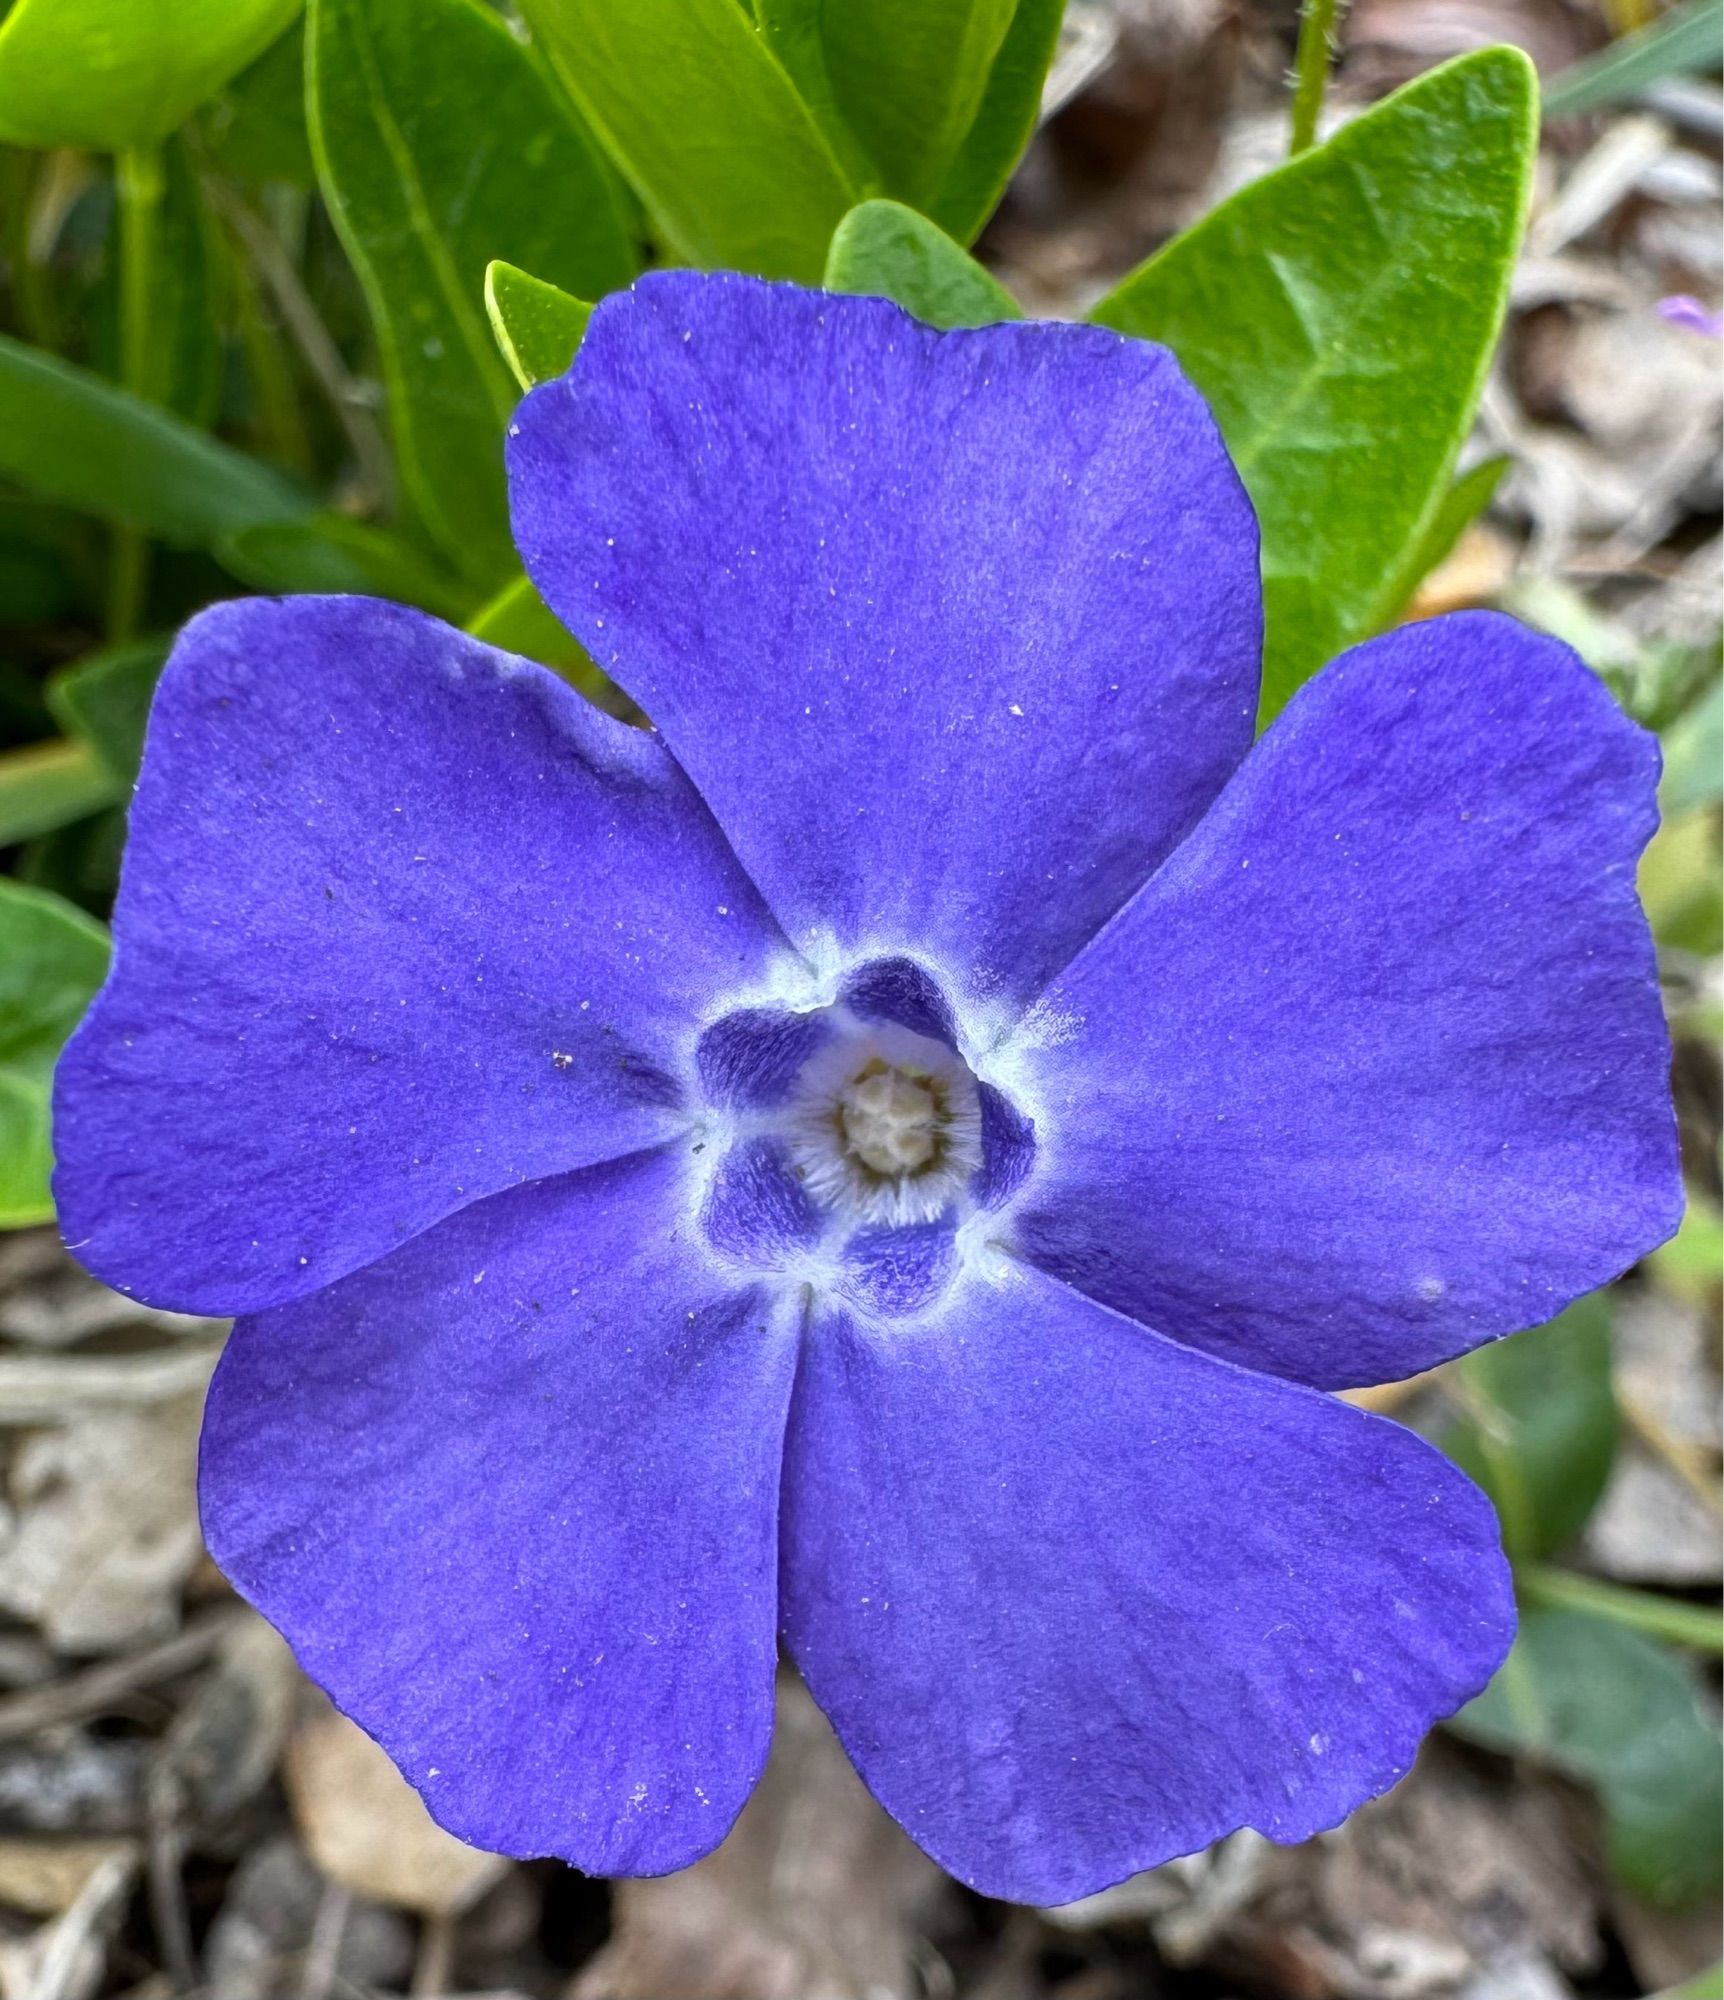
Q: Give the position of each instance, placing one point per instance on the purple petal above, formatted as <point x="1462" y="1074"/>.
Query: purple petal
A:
<point x="956" y="633"/>
<point x="404" y="921"/>
<point x="1077" y="1599"/>
<point x="1375" y="1068"/>
<point x="1690" y="314"/>
<point x="511" y="1494"/>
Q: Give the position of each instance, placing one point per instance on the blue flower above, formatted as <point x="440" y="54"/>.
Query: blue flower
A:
<point x="892" y="1161"/>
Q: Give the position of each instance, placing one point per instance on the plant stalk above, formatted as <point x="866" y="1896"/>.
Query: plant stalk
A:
<point x="138" y="184"/>
<point x="1645" y="1610"/>
<point x="1317" y="23"/>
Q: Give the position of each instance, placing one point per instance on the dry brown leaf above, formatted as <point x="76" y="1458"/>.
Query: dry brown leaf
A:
<point x="815" y="1895"/>
<point x="1473" y="572"/>
<point x="67" y="1958"/>
<point x="44" y="1878"/>
<point x="365" y="1827"/>
<point x="262" y="1937"/>
<point x="104" y="1527"/>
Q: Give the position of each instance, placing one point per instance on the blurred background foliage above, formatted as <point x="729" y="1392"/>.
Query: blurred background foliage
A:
<point x="272" y="279"/>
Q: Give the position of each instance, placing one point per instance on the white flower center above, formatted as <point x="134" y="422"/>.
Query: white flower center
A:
<point x="892" y="1118"/>
<point x="885" y="1124"/>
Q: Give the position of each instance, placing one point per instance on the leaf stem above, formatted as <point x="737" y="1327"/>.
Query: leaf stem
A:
<point x="1644" y="1610"/>
<point x="138" y="184"/>
<point x="32" y="298"/>
<point x="1317" y="22"/>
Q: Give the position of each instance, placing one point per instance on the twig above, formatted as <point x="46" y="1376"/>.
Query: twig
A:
<point x="100" y="1687"/>
<point x="323" y="1954"/>
<point x="71" y="1933"/>
<point x="313" y="339"/>
<point x="164" y="1809"/>
<point x="435" y="1966"/>
<point x="47" y="1388"/>
<point x="1691" y="1463"/>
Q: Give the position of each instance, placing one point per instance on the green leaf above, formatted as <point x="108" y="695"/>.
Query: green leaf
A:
<point x="1694" y="756"/>
<point x="1539" y="1425"/>
<point x="184" y="355"/>
<point x="49" y="785"/>
<point x="105" y="698"/>
<point x="905" y="77"/>
<point x="704" y="122"/>
<point x="1688" y="1263"/>
<point x="1708" y="1985"/>
<point x="72" y="437"/>
<point x="977" y="177"/>
<point x="1682" y="41"/>
<point x="883" y="250"/>
<point x="257" y="131"/>
<point x="25" y="1158"/>
<point x="97" y="74"/>
<point x="52" y="959"/>
<point x="442" y="142"/>
<point x="80" y="861"/>
<point x="1620" y="1711"/>
<point x="537" y="326"/>
<point x="1458" y="509"/>
<point x="333" y="553"/>
<point x="793" y="32"/>
<point x="1339" y="315"/>
<point x="519" y="621"/>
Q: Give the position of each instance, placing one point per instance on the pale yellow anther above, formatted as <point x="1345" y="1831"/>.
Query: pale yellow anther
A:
<point x="891" y="1120"/>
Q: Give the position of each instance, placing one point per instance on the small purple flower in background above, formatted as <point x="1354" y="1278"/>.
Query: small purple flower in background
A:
<point x="1690" y="313"/>
<point x="892" y="1161"/>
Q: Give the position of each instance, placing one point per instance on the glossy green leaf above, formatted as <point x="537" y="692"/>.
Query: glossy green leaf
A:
<point x="537" y="326"/>
<point x="256" y="129"/>
<point x="1339" y="315"/>
<point x="883" y="250"/>
<point x="441" y="142"/>
<point x="520" y="621"/>
<point x="71" y="436"/>
<point x="52" y="959"/>
<point x="1621" y="1712"/>
<point x="1538" y="1428"/>
<point x="1459" y="508"/>
<point x="706" y="124"/>
<point x="49" y="785"/>
<point x="792" y="31"/>
<point x="904" y="78"/>
<point x="975" y="180"/>
<point x="108" y="74"/>
<point x="105" y="699"/>
<point x="330" y="552"/>
<point x="1682" y="41"/>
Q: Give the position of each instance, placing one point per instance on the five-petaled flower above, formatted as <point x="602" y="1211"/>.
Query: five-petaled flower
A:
<point x="892" y="1160"/>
